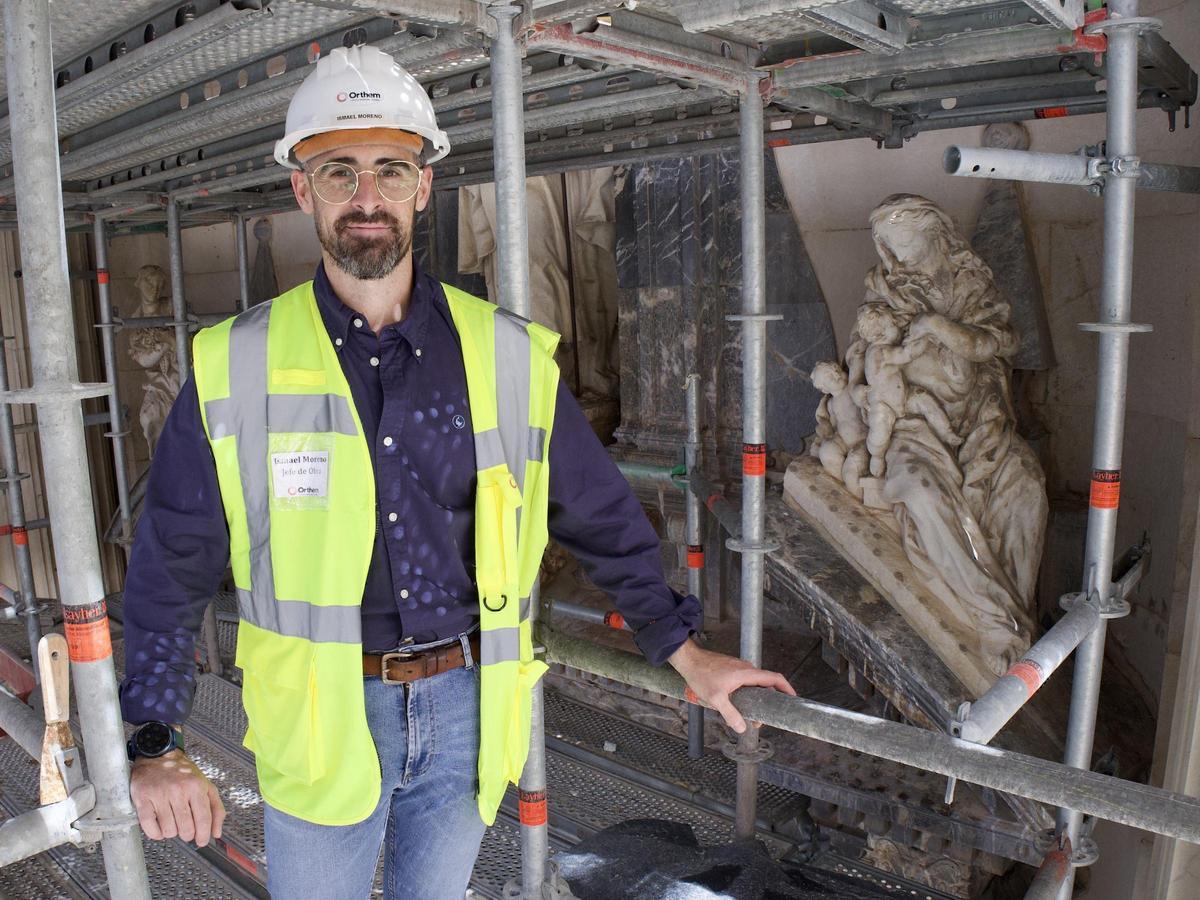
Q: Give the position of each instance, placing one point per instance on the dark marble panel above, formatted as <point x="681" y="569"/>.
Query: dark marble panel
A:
<point x="687" y="214"/>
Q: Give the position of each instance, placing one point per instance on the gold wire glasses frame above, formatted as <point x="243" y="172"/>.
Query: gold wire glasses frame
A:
<point x="336" y="183"/>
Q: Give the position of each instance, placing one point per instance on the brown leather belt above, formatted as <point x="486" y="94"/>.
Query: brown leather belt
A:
<point x="404" y="667"/>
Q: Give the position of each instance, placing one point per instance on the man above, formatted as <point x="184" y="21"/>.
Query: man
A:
<point x="381" y="458"/>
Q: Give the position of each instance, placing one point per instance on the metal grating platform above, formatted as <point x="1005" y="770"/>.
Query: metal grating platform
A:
<point x="174" y="870"/>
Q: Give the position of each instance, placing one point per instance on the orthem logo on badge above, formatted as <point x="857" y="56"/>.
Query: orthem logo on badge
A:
<point x="301" y="474"/>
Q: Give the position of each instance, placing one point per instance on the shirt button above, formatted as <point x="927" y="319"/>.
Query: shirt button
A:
<point x="392" y="517"/>
<point x="387" y="441"/>
<point x="358" y="323"/>
<point x="337" y="342"/>
<point x="404" y="593"/>
<point x="374" y="360"/>
<point x="417" y="351"/>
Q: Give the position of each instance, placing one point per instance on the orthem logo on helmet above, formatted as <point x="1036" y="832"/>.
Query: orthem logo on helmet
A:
<point x="343" y="96"/>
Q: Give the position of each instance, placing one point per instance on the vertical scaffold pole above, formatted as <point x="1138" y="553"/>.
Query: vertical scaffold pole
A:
<point x="695" y="544"/>
<point x="1114" y="329"/>
<point x="243" y="258"/>
<point x="47" y="287"/>
<point x="108" y="344"/>
<point x="750" y="751"/>
<point x="178" y="297"/>
<point x="512" y="251"/>
<point x="16" y="520"/>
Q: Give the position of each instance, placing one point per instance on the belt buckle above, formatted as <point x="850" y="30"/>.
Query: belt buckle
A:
<point x="385" y="658"/>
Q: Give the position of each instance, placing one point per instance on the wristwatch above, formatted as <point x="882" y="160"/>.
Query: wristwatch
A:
<point x="154" y="739"/>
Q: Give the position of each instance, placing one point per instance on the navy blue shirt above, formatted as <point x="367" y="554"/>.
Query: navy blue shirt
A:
<point x="409" y="387"/>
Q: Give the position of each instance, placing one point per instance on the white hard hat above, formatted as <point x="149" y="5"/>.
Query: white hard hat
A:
<point x="358" y="88"/>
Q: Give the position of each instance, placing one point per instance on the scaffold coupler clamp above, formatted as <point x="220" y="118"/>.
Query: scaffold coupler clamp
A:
<point x="956" y="724"/>
<point x="1055" y="840"/>
<point x="554" y="887"/>
<point x="761" y="752"/>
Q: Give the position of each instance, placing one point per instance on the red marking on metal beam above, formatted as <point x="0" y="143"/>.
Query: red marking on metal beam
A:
<point x="20" y="536"/>
<point x="614" y="620"/>
<point x="1094" y="43"/>
<point x="779" y="142"/>
<point x="695" y="556"/>
<point x="1030" y="673"/>
<point x="564" y="35"/>
<point x="754" y="460"/>
<point x="1106" y="489"/>
<point x="86" y="627"/>
<point x="531" y="807"/>
<point x="236" y="856"/>
<point x="102" y="276"/>
<point x="1051" y="112"/>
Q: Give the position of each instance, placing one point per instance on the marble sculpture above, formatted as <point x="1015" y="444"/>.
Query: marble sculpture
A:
<point x="153" y="349"/>
<point x="919" y="426"/>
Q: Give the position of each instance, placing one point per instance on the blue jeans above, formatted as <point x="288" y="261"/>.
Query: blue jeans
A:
<point x="427" y="736"/>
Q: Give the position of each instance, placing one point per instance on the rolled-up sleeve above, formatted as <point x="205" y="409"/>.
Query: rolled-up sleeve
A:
<point x="595" y="516"/>
<point x="180" y="552"/>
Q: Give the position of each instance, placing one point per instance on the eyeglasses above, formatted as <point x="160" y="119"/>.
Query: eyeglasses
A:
<point x="336" y="183"/>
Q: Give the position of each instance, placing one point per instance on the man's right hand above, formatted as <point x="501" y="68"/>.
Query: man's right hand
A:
<point x="174" y="799"/>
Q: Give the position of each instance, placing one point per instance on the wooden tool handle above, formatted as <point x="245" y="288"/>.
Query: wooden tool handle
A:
<point x="56" y="682"/>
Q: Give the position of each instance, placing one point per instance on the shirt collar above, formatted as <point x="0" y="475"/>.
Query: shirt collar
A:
<point x="339" y="318"/>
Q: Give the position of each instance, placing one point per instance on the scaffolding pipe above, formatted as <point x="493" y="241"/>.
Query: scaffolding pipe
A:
<point x="47" y="287"/>
<point x="695" y="543"/>
<point x="1061" y="168"/>
<point x="46" y="827"/>
<point x="17" y="525"/>
<point x="754" y="415"/>
<point x="243" y="258"/>
<point x="1050" y="874"/>
<point x="178" y="298"/>
<point x="1109" y="430"/>
<point x="992" y="711"/>
<point x="1126" y="802"/>
<point x="512" y="246"/>
<point x="22" y="723"/>
<point x="116" y="427"/>
<point x="607" y="618"/>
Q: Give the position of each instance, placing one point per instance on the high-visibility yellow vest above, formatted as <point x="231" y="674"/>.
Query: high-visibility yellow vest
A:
<point x="299" y="491"/>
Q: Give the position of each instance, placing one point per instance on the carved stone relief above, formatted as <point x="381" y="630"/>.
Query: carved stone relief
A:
<point x="153" y="349"/>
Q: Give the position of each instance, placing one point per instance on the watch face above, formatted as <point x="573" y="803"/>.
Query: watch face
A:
<point x="153" y="739"/>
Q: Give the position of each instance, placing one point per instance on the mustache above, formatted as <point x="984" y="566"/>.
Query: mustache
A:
<point x="360" y="218"/>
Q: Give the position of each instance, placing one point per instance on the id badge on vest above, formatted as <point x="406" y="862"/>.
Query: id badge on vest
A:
<point x="300" y="469"/>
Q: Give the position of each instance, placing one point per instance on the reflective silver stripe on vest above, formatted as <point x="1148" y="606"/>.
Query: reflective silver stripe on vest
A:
<point x="489" y="447"/>
<point x="500" y="645"/>
<point x="310" y="412"/>
<point x="301" y="619"/>
<point x="509" y="442"/>
<point x="489" y="451"/>
<point x="250" y="413"/>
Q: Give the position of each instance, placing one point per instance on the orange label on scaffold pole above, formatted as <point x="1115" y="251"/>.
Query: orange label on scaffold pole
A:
<point x="532" y="808"/>
<point x="695" y="556"/>
<point x="1028" y="672"/>
<point x="20" y="537"/>
<point x="754" y="459"/>
<point x="1106" y="489"/>
<point x="86" y="627"/>
<point x="614" y="619"/>
<point x="102" y="276"/>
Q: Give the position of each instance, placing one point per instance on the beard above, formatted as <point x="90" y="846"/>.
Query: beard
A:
<point x="365" y="258"/>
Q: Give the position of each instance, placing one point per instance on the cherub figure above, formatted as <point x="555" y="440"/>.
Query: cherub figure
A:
<point x="840" y="427"/>
<point x="886" y="396"/>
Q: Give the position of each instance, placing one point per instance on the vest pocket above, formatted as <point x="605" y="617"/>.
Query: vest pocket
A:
<point x="281" y="709"/>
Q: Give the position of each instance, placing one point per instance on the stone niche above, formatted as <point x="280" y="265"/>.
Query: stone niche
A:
<point x="679" y="269"/>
